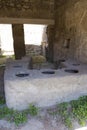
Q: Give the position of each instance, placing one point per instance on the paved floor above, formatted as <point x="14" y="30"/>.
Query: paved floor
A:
<point x="33" y="124"/>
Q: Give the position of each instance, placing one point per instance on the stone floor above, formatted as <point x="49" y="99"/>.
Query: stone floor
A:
<point x="43" y="121"/>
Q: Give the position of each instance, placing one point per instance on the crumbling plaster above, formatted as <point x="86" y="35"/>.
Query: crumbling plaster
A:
<point x="71" y="23"/>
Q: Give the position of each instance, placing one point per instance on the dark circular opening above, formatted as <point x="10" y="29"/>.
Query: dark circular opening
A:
<point x="71" y="71"/>
<point x="62" y="60"/>
<point x="22" y="75"/>
<point x="17" y="66"/>
<point x="76" y="64"/>
<point x="48" y="72"/>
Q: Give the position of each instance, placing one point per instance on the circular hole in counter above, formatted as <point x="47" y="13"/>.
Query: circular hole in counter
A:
<point x="62" y="60"/>
<point x="72" y="71"/>
<point x="76" y="64"/>
<point x="17" y="66"/>
<point x="48" y="72"/>
<point x="22" y="75"/>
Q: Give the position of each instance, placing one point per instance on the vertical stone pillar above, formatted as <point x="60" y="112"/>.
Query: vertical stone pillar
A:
<point x="18" y="36"/>
<point x="50" y="36"/>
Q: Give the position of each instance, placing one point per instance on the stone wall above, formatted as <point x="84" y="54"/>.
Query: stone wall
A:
<point x="33" y="50"/>
<point x="71" y="30"/>
<point x="43" y="9"/>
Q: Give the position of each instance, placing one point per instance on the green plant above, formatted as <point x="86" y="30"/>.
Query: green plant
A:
<point x="2" y="100"/>
<point x="5" y="112"/>
<point x="11" y="115"/>
<point x="19" y="117"/>
<point x="76" y="109"/>
<point x="65" y="113"/>
<point x="33" y="111"/>
<point x="67" y="122"/>
<point x="79" y="109"/>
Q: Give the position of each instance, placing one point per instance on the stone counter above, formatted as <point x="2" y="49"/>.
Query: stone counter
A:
<point x="43" y="90"/>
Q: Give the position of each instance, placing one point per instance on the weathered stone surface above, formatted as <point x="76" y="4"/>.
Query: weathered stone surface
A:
<point x="71" y="23"/>
<point x="18" y="36"/>
<point x="27" y="8"/>
<point x="32" y="50"/>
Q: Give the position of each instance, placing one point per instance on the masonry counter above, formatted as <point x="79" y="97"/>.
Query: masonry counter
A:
<point x="41" y="89"/>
